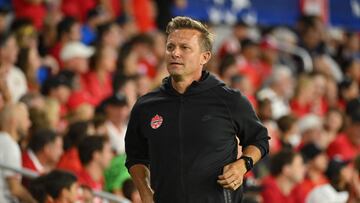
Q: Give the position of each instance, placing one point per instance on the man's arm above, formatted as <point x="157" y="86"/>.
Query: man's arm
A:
<point x="253" y="137"/>
<point x="233" y="174"/>
<point x="18" y="190"/>
<point x="141" y="177"/>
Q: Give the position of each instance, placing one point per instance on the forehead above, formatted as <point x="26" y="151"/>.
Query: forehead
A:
<point x="183" y="36"/>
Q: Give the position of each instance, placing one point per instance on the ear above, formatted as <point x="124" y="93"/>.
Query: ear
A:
<point x="205" y="57"/>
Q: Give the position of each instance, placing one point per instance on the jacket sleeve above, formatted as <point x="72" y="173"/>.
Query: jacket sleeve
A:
<point x="250" y="130"/>
<point x="136" y="145"/>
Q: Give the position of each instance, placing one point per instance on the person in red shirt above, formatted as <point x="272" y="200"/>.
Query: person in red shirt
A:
<point x="316" y="161"/>
<point x="250" y="64"/>
<point x="287" y="170"/>
<point x="95" y="155"/>
<point x="44" y="151"/>
<point x="347" y="145"/>
<point x="98" y="81"/>
<point x="32" y="9"/>
<point x="67" y="30"/>
<point x="70" y="160"/>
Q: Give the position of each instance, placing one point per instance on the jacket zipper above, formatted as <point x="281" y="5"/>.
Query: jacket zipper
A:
<point x="227" y="196"/>
<point x="181" y="146"/>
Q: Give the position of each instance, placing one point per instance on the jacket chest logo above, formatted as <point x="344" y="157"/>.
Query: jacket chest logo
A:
<point x="156" y="122"/>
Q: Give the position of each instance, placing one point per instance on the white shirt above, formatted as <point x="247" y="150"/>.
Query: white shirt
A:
<point x="327" y="194"/>
<point x="17" y="84"/>
<point x="10" y="155"/>
<point x="117" y="137"/>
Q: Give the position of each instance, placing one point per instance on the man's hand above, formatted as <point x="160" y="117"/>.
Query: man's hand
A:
<point x="233" y="175"/>
<point x="148" y="198"/>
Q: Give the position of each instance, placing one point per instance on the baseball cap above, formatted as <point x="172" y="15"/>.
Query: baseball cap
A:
<point x="353" y="109"/>
<point x="334" y="167"/>
<point x="310" y="151"/>
<point x="117" y="99"/>
<point x="76" y="49"/>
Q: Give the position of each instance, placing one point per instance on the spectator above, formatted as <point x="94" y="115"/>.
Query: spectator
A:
<point x="347" y="145"/>
<point x="302" y="102"/>
<point x="56" y="186"/>
<point x="98" y="81"/>
<point x="228" y="68"/>
<point x="70" y="159"/>
<point x="95" y="17"/>
<point x="34" y="10"/>
<point x="117" y="112"/>
<point x="14" y="118"/>
<point x="316" y="163"/>
<point x="16" y="80"/>
<point x="287" y="170"/>
<point x="289" y="132"/>
<point x="279" y="91"/>
<point x="44" y="151"/>
<point x="339" y="174"/>
<point x="68" y="30"/>
<point x="29" y="62"/>
<point x="108" y="35"/>
<point x="95" y="156"/>
<point x="59" y="88"/>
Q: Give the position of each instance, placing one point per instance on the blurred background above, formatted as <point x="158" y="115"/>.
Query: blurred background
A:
<point x="71" y="70"/>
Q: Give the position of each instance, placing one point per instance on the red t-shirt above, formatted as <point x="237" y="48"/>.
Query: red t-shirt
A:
<point x="35" y="12"/>
<point x="303" y="189"/>
<point x="343" y="147"/>
<point x="70" y="161"/>
<point x="84" y="178"/>
<point x="97" y="89"/>
<point x="77" y="8"/>
<point x="143" y="16"/>
<point x="272" y="194"/>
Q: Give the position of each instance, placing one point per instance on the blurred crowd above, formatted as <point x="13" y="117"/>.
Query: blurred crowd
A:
<point x="71" y="70"/>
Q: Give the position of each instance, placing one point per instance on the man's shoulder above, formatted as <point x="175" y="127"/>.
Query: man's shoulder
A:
<point x="151" y="97"/>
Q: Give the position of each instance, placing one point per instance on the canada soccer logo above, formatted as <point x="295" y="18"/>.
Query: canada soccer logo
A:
<point x="156" y="121"/>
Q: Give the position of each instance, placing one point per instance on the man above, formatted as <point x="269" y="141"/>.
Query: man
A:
<point x="287" y="170"/>
<point x="55" y="187"/>
<point x="44" y="151"/>
<point x="95" y="155"/>
<point x="316" y="163"/>
<point x="14" y="122"/>
<point x="347" y="145"/>
<point x="184" y="132"/>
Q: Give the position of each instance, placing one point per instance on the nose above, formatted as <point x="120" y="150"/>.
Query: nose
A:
<point x="175" y="52"/>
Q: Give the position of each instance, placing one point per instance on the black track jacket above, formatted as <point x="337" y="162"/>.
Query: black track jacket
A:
<point x="187" y="139"/>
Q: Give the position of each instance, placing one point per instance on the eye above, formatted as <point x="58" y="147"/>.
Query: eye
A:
<point x="170" y="47"/>
<point x="185" y="47"/>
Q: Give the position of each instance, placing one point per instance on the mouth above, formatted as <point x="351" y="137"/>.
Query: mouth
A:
<point x="176" y="63"/>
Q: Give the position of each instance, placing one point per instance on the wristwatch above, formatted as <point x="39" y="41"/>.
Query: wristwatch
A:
<point x="249" y="163"/>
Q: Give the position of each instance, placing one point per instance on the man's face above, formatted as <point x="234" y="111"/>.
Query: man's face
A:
<point x="10" y="51"/>
<point x="184" y="55"/>
<point x="297" y="169"/>
<point x="354" y="133"/>
<point x="55" y="150"/>
<point x="23" y="120"/>
<point x="106" y="155"/>
<point x="70" y="195"/>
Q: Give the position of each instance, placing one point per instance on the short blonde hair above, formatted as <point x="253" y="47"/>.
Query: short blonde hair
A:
<point x="182" y="22"/>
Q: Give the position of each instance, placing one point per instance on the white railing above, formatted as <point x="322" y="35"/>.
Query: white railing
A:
<point x="33" y="174"/>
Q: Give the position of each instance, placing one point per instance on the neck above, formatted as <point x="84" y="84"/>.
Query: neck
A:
<point x="95" y="171"/>
<point x="43" y="161"/>
<point x="314" y="174"/>
<point x="285" y="185"/>
<point x="181" y="84"/>
<point x="101" y="73"/>
<point x="12" y="132"/>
